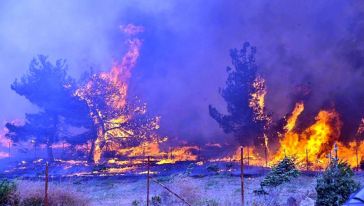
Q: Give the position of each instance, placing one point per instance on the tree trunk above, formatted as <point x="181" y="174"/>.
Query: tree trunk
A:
<point x="90" y="158"/>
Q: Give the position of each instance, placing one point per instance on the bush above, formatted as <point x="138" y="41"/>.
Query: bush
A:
<point x="284" y="171"/>
<point x="8" y="193"/>
<point x="213" y="168"/>
<point x="189" y="169"/>
<point x="335" y="185"/>
<point x="156" y="201"/>
<point x="135" y="203"/>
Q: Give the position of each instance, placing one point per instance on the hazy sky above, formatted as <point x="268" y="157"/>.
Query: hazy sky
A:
<point x="186" y="50"/>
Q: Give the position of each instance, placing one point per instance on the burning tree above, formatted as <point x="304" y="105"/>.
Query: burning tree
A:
<point x="244" y="94"/>
<point x="99" y="106"/>
<point x="50" y="88"/>
<point x="119" y="121"/>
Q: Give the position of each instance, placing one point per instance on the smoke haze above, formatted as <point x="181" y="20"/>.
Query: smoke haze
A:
<point x="317" y="45"/>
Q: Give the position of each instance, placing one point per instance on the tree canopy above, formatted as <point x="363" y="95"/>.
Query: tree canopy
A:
<point x="244" y="94"/>
<point x="48" y="86"/>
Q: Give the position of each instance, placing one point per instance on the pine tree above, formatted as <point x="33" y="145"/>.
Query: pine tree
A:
<point x="242" y="120"/>
<point x="335" y="185"/>
<point x="50" y="88"/>
<point x="284" y="171"/>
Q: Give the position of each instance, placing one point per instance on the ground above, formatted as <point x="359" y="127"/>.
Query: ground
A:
<point x="209" y="190"/>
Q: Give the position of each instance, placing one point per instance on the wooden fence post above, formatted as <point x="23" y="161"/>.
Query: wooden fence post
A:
<point x="242" y="174"/>
<point x="46" y="186"/>
<point x="357" y="159"/>
<point x="248" y="157"/>
<point x="148" y="183"/>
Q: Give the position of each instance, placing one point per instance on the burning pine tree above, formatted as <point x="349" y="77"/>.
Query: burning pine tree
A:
<point x="118" y="121"/>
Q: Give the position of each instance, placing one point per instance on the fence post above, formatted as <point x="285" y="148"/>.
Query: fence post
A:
<point x="357" y="159"/>
<point x="266" y="156"/>
<point x="148" y="183"/>
<point x="248" y="157"/>
<point x="46" y="186"/>
<point x="242" y="174"/>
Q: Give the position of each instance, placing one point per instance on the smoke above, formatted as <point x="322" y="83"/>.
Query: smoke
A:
<point x="310" y="46"/>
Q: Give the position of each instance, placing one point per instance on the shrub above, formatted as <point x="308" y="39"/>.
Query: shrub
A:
<point x="135" y="203"/>
<point x="8" y="193"/>
<point x="156" y="201"/>
<point x="213" y="168"/>
<point x="189" y="169"/>
<point x="335" y="185"/>
<point x="284" y="171"/>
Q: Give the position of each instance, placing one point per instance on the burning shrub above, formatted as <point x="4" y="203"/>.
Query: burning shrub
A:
<point x="284" y="171"/>
<point x="335" y="185"/>
<point x="8" y="194"/>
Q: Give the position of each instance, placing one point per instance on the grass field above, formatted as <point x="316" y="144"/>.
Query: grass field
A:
<point x="209" y="190"/>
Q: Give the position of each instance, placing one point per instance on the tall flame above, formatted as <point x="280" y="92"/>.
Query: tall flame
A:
<point x="257" y="100"/>
<point x="313" y="143"/>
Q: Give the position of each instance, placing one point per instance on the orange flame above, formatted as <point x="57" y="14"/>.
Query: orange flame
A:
<point x="313" y="143"/>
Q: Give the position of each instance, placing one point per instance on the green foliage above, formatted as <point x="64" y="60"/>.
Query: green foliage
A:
<point x="284" y="171"/>
<point x="156" y="200"/>
<point x="335" y="185"/>
<point x="8" y="194"/>
<point x="48" y="87"/>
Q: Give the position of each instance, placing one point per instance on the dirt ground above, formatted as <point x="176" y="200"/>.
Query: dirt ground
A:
<point x="210" y="190"/>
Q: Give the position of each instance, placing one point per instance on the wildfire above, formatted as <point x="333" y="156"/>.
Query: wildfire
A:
<point x="115" y="119"/>
<point x="251" y="157"/>
<point x="313" y="145"/>
<point x="257" y="101"/>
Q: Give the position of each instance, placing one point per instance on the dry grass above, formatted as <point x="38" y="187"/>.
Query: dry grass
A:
<point x="33" y="192"/>
<point x="211" y="191"/>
